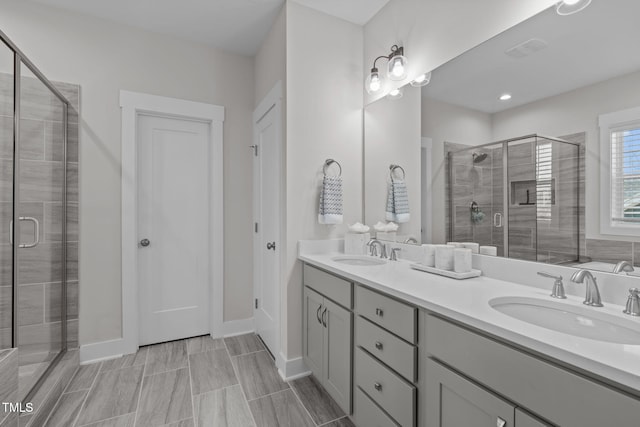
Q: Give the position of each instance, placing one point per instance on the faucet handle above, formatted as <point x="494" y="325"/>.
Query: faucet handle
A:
<point x="633" y="303"/>
<point x="558" y="286"/>
<point x="394" y="254"/>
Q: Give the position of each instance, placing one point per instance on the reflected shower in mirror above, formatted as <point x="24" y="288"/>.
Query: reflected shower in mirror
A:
<point x="543" y="86"/>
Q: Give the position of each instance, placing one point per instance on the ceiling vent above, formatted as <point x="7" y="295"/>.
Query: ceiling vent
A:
<point x="526" y="48"/>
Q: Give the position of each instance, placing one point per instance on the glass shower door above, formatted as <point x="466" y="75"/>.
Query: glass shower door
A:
<point x="6" y="196"/>
<point x="41" y="192"/>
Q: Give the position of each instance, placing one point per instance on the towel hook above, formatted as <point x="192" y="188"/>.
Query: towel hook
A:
<point x="328" y="163"/>
<point x="392" y="169"/>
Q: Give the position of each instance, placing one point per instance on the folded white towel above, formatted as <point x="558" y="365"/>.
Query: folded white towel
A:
<point x="397" y="202"/>
<point x="330" y="206"/>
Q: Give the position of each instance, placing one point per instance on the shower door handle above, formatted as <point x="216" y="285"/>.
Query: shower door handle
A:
<point x="497" y="220"/>
<point x="36" y="232"/>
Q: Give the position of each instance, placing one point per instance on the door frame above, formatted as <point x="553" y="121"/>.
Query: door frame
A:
<point x="134" y="104"/>
<point x="272" y="101"/>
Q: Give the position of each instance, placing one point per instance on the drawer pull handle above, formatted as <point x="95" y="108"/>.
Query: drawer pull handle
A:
<point x="378" y="345"/>
<point x="377" y="386"/>
<point x="318" y="314"/>
<point x="324" y="319"/>
<point x="379" y="312"/>
<point x="500" y="422"/>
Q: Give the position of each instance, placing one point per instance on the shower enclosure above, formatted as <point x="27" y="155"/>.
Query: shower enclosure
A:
<point x="520" y="195"/>
<point x="33" y="217"/>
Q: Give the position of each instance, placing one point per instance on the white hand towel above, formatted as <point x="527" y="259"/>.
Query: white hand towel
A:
<point x="397" y="202"/>
<point x="330" y="207"/>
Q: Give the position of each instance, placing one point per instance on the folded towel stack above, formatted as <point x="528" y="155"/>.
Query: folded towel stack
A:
<point x="330" y="208"/>
<point x="397" y="202"/>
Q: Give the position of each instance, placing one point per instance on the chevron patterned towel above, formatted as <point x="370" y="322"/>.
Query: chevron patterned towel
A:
<point x="330" y="207"/>
<point x="397" y="202"/>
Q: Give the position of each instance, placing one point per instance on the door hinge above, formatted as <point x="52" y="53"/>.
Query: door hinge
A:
<point x="255" y="149"/>
<point x="256" y="302"/>
<point x="255" y="227"/>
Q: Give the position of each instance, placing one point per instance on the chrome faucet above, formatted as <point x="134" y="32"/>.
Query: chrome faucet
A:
<point x="633" y="303"/>
<point x="623" y="266"/>
<point x="374" y="251"/>
<point x="592" y="296"/>
<point x="558" y="286"/>
<point x="394" y="254"/>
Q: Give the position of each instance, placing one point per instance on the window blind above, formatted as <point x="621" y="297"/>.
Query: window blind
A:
<point x="544" y="183"/>
<point x="625" y="173"/>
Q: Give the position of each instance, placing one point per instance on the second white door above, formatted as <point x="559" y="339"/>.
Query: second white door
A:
<point x="173" y="228"/>
<point x="267" y="244"/>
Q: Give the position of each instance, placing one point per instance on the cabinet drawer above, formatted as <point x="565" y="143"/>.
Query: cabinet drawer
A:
<point x="334" y="288"/>
<point x="392" y="315"/>
<point x="396" y="396"/>
<point x="398" y="354"/>
<point x="562" y="397"/>
<point x="369" y="414"/>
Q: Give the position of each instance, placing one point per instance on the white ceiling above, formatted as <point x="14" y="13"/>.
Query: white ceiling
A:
<point x="237" y="26"/>
<point x="356" y="11"/>
<point x="594" y="45"/>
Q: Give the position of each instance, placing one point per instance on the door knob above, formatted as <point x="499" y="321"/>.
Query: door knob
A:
<point x="271" y="245"/>
<point x="145" y="242"/>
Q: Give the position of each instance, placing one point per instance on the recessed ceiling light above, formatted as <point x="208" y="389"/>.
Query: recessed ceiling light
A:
<point x="569" y="7"/>
<point x="505" y="97"/>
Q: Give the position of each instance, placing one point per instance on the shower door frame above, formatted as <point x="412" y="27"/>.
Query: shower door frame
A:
<point x="19" y="59"/>
<point x="505" y="181"/>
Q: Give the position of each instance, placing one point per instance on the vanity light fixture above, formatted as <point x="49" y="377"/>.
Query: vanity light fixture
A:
<point x="505" y="97"/>
<point x="395" y="94"/>
<point x="396" y="69"/>
<point x="569" y="7"/>
<point x="422" y="80"/>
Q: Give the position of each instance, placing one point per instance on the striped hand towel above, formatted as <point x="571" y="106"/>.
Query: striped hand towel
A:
<point x="330" y="207"/>
<point x="397" y="202"/>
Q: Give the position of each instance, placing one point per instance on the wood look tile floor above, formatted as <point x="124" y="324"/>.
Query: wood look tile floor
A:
<point x="196" y="382"/>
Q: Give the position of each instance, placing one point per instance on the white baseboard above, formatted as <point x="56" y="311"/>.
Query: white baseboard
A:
<point x="292" y="369"/>
<point x="99" y="351"/>
<point x="238" y="327"/>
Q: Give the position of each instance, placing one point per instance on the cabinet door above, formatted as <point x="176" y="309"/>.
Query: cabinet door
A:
<point x="338" y="344"/>
<point x="453" y="401"/>
<point x="523" y="419"/>
<point x="313" y="332"/>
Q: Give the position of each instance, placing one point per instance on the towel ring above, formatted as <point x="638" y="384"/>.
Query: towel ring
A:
<point x="328" y="163"/>
<point x="392" y="169"/>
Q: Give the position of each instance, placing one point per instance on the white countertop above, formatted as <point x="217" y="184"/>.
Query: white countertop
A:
<point x="467" y="301"/>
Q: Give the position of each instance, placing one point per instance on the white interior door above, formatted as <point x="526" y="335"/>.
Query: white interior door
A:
<point x="173" y="228"/>
<point x="267" y="244"/>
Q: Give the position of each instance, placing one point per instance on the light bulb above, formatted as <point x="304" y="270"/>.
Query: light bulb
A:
<point x="569" y="7"/>
<point x="397" y="68"/>
<point x="570" y="2"/>
<point x="505" y="97"/>
<point x="373" y="83"/>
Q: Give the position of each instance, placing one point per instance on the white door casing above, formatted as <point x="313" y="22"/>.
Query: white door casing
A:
<point x="268" y="241"/>
<point x="173" y="225"/>
<point x="134" y="105"/>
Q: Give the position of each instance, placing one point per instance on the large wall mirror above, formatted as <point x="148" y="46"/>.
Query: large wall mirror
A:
<point x="512" y="142"/>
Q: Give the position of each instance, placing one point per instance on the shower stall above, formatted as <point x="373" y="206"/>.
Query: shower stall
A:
<point x="35" y="195"/>
<point x="520" y="195"/>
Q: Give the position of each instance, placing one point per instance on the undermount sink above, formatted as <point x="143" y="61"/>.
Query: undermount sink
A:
<point x="577" y="321"/>
<point x="361" y="260"/>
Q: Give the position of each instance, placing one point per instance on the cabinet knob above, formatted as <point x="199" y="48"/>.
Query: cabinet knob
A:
<point x="500" y="422"/>
<point x="377" y="386"/>
<point x="379" y="312"/>
<point x="378" y="345"/>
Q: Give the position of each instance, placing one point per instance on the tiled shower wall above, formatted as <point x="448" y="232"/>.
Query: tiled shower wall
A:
<point x="39" y="314"/>
<point x="554" y="238"/>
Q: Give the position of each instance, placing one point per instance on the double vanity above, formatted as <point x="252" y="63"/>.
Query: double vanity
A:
<point x="398" y="347"/>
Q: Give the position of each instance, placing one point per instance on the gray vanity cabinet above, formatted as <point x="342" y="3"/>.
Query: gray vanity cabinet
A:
<point x="454" y="401"/>
<point x="327" y="337"/>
